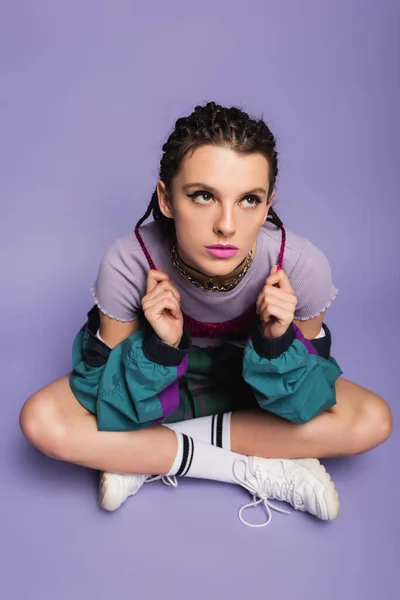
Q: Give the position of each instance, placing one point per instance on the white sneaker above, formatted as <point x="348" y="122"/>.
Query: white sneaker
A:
<point x="303" y="483"/>
<point x="115" y="488"/>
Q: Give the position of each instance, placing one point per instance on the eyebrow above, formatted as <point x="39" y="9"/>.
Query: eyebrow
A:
<point x="204" y="186"/>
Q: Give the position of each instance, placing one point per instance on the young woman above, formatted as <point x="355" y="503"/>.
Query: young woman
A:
<point x="205" y="354"/>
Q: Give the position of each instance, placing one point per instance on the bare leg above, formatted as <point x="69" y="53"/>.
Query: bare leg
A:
<point x="54" y="421"/>
<point x="358" y="422"/>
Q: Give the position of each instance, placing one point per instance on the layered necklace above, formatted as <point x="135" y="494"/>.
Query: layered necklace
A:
<point x="209" y="285"/>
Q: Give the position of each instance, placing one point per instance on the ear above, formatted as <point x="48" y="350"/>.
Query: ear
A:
<point x="164" y="201"/>
<point x="269" y="204"/>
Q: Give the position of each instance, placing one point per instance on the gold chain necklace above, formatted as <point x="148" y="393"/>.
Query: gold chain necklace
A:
<point x="210" y="286"/>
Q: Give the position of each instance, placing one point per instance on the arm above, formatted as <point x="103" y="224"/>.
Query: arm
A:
<point x="288" y="374"/>
<point x="287" y="379"/>
<point x="132" y="382"/>
<point x="113" y="332"/>
<point x="311" y="328"/>
<point x="131" y="378"/>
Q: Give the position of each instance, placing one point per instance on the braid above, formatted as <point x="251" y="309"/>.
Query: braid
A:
<point x="273" y="218"/>
<point x="218" y="125"/>
<point x="148" y="212"/>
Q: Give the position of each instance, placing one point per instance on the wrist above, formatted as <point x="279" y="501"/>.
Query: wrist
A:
<point x="272" y="347"/>
<point x="267" y="328"/>
<point x="176" y="344"/>
<point x="156" y="350"/>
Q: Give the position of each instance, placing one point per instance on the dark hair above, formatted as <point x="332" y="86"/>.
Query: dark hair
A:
<point x="219" y="126"/>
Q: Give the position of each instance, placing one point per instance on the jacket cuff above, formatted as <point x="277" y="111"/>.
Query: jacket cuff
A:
<point x="95" y="352"/>
<point x="272" y="347"/>
<point x="161" y="353"/>
<point x="323" y="345"/>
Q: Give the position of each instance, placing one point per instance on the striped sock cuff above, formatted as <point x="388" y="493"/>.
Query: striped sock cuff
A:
<point x="221" y="431"/>
<point x="184" y="456"/>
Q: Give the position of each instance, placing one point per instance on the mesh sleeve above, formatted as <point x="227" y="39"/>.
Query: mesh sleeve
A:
<point x="116" y="290"/>
<point x="311" y="280"/>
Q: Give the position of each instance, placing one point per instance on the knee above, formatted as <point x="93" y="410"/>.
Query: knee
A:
<point x="372" y="425"/>
<point x="42" y="425"/>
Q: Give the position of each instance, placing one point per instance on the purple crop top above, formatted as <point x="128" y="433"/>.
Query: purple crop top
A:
<point x="121" y="280"/>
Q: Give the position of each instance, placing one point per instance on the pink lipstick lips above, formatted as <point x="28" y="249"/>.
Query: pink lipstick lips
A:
<point x="222" y="250"/>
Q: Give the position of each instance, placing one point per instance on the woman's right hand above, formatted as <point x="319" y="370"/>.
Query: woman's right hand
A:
<point x="162" y="307"/>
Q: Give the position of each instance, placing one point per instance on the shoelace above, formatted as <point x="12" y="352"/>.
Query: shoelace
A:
<point x="260" y="495"/>
<point x="166" y="479"/>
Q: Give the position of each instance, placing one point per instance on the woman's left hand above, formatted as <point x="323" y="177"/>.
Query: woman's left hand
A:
<point x="276" y="304"/>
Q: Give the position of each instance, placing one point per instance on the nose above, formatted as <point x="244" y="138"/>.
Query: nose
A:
<point x="225" y="223"/>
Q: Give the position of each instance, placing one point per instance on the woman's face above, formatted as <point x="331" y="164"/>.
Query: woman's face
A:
<point x="219" y="197"/>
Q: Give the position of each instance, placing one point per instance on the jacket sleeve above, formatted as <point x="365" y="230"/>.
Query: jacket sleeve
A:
<point x="131" y="386"/>
<point x="291" y="376"/>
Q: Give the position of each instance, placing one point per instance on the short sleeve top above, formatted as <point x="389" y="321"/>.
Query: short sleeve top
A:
<point x="121" y="281"/>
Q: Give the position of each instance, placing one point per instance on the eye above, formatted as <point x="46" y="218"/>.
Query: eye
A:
<point x="254" y="201"/>
<point x="203" y="198"/>
<point x="199" y="196"/>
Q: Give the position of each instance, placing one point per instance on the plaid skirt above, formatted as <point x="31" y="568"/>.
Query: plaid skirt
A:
<point x="213" y="384"/>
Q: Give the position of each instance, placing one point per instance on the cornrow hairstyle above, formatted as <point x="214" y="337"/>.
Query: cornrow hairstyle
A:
<point x="217" y="125"/>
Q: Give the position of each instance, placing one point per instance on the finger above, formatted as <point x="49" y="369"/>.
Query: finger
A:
<point x="280" y="279"/>
<point x="289" y="306"/>
<point x="274" y="292"/>
<point x="158" y="295"/>
<point x="173" y="307"/>
<point x="273" y="270"/>
<point x="154" y="277"/>
<point x="152" y="298"/>
<point x="154" y="309"/>
<point x="164" y="284"/>
<point x="260" y="298"/>
<point x="283" y="315"/>
<point x="162" y="287"/>
<point x="271" y="292"/>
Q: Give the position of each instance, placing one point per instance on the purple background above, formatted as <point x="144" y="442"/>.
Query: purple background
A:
<point x="89" y="91"/>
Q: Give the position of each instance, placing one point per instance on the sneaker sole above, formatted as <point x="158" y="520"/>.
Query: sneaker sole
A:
<point x="109" y="493"/>
<point x="331" y="496"/>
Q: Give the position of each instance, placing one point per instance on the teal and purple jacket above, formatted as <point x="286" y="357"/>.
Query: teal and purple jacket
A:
<point x="136" y="384"/>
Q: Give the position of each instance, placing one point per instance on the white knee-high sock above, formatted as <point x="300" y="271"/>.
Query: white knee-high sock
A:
<point x="203" y="461"/>
<point x="214" y="430"/>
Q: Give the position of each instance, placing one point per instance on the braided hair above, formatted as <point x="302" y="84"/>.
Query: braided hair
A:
<point x="220" y="126"/>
